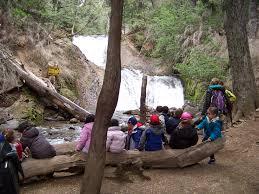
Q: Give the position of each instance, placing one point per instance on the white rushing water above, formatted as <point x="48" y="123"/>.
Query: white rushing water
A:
<point x="161" y="90"/>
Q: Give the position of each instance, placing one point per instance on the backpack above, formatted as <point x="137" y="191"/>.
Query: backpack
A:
<point x="232" y="98"/>
<point x="218" y="100"/>
<point x="9" y="168"/>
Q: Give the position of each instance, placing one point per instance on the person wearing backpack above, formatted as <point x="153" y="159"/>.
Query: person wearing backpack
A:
<point x="134" y="134"/>
<point x="153" y="137"/>
<point x="10" y="167"/>
<point x="216" y="97"/>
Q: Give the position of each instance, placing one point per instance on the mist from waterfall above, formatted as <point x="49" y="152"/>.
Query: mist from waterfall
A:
<point x="161" y="90"/>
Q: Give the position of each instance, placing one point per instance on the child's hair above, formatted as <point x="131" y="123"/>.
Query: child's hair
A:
<point x="9" y="135"/>
<point x="89" y="118"/>
<point x="165" y="109"/>
<point x="178" y="113"/>
<point x="221" y="83"/>
<point x="214" y="81"/>
<point x="213" y="110"/>
<point x="114" y="122"/>
<point x="159" y="109"/>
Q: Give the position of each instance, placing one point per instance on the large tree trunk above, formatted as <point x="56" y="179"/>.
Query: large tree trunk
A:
<point x="106" y="104"/>
<point x="159" y="159"/>
<point x="143" y="111"/>
<point x="42" y="88"/>
<point x="239" y="56"/>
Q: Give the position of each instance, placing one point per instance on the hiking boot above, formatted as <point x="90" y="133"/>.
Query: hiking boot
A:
<point x="212" y="161"/>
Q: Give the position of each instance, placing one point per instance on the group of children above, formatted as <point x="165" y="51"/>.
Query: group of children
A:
<point x="179" y="127"/>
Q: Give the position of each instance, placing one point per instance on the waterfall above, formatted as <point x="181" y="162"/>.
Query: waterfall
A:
<point x="161" y="90"/>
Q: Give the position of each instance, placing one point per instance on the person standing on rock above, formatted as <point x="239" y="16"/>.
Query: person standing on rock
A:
<point x="33" y="140"/>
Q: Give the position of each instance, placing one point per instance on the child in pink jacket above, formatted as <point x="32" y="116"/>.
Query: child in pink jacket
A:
<point x="85" y="136"/>
<point x="115" y="138"/>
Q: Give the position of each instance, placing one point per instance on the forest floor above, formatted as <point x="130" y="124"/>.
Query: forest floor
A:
<point x="236" y="171"/>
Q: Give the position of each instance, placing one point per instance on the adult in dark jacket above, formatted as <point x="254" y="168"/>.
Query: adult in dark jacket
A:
<point x="39" y="147"/>
<point x="174" y="121"/>
<point x="185" y="135"/>
<point x="214" y="85"/>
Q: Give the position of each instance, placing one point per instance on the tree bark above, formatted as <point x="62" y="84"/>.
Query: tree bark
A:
<point x="42" y="88"/>
<point x="252" y="23"/>
<point x="106" y="104"/>
<point x="239" y="56"/>
<point x="170" y="158"/>
<point x="143" y="110"/>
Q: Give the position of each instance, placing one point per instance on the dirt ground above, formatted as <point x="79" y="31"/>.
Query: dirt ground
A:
<point x="236" y="171"/>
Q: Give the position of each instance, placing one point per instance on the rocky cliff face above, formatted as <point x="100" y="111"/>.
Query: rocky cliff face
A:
<point x="79" y="79"/>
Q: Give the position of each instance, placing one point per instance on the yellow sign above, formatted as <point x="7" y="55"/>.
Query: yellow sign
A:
<point x="53" y="70"/>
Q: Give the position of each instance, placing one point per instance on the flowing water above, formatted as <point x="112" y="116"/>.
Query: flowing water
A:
<point x="161" y="90"/>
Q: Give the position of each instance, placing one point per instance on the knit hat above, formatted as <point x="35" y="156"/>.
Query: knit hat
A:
<point x="24" y="126"/>
<point x="186" y="116"/>
<point x="132" y="120"/>
<point x="154" y="120"/>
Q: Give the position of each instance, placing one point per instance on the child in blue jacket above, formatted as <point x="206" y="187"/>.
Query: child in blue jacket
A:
<point x="212" y="126"/>
<point x="153" y="137"/>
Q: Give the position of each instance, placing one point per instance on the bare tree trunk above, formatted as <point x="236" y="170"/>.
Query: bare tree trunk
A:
<point x="92" y="180"/>
<point x="143" y="99"/>
<point x="239" y="56"/>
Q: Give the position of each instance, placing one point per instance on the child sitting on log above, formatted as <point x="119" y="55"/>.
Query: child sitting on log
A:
<point x="115" y="138"/>
<point x="185" y="135"/>
<point x="153" y="137"/>
<point x="85" y="136"/>
<point x="134" y="134"/>
<point x="33" y="140"/>
<point x="212" y="126"/>
<point x="15" y="144"/>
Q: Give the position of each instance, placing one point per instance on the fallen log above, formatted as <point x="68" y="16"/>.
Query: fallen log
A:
<point x="65" y="148"/>
<point x="42" y="88"/>
<point x="160" y="159"/>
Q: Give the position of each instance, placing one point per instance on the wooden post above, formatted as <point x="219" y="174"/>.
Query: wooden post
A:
<point x="143" y="99"/>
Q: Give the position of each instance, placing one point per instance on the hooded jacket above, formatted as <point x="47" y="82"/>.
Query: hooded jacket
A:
<point x="183" y="137"/>
<point x="40" y="148"/>
<point x="133" y="139"/>
<point x="212" y="129"/>
<point x="115" y="139"/>
<point x="85" y="138"/>
<point x="152" y="138"/>
<point x="207" y="99"/>
<point x="171" y="124"/>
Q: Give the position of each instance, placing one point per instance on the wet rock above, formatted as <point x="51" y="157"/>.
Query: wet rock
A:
<point x="11" y="124"/>
<point x="2" y="121"/>
<point x="194" y="110"/>
<point x="73" y="120"/>
<point x="60" y="118"/>
<point x="132" y="112"/>
<point x="72" y="128"/>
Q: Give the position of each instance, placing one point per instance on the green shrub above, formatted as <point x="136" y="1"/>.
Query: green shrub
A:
<point x="203" y="67"/>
